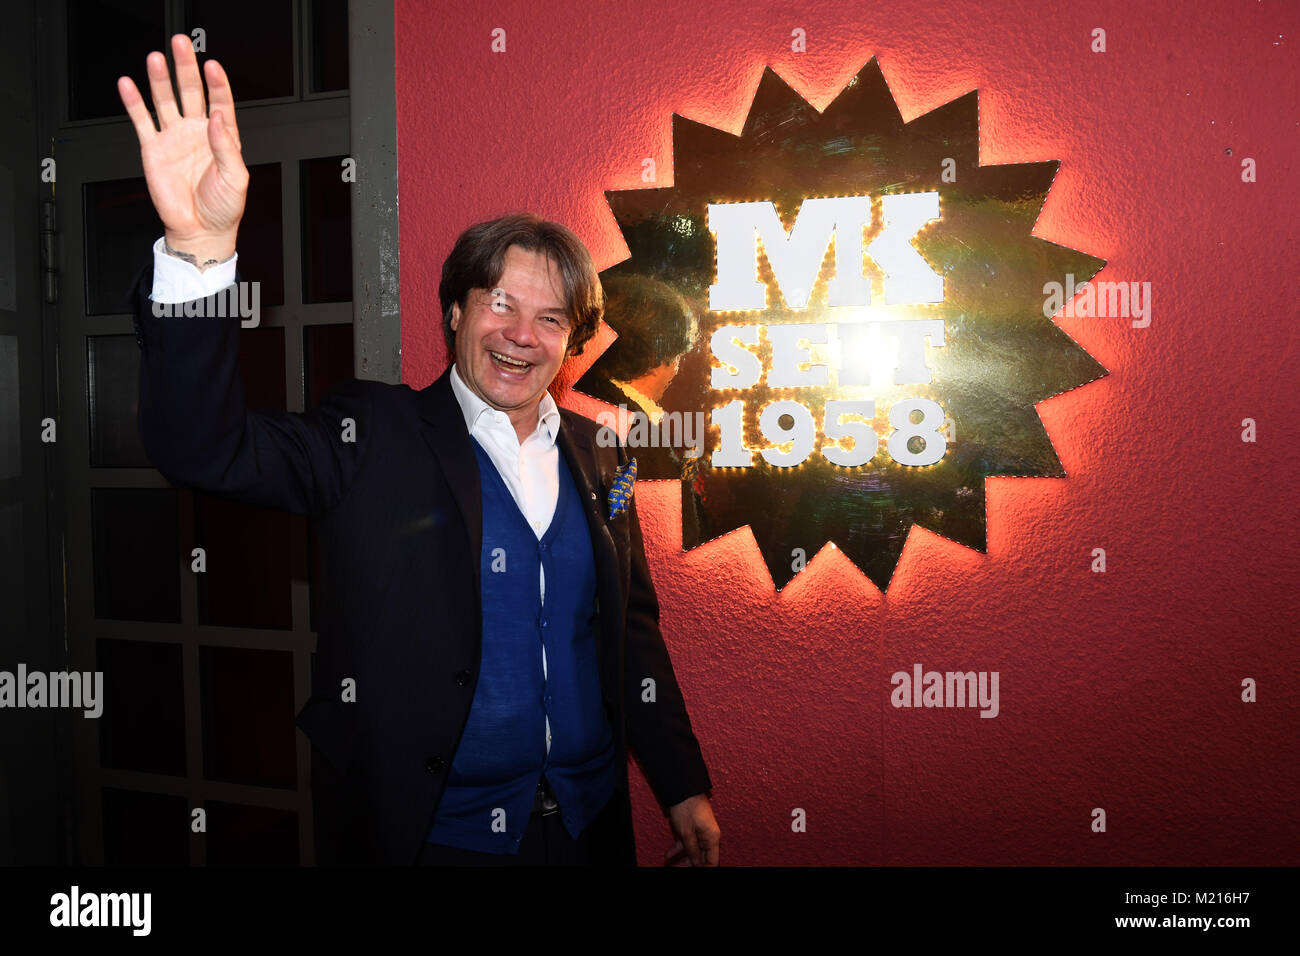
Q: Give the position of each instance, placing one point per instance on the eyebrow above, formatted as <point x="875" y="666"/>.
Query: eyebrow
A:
<point x="555" y="309"/>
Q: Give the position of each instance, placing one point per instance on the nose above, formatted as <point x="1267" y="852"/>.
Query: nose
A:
<point x="520" y="332"/>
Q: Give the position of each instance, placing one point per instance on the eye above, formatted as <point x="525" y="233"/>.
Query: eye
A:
<point x="497" y="300"/>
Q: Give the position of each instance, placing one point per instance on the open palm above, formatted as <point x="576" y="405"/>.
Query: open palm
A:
<point x="196" y="175"/>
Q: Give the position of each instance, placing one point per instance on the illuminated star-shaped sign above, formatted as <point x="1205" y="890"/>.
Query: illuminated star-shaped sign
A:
<point x="871" y="328"/>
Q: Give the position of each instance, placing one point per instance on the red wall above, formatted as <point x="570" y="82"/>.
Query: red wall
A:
<point x="1118" y="690"/>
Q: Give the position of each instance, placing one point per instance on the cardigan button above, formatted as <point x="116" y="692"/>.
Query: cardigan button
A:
<point x="463" y="677"/>
<point x="433" y="764"/>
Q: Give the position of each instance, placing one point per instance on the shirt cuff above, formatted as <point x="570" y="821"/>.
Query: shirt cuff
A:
<point x="175" y="280"/>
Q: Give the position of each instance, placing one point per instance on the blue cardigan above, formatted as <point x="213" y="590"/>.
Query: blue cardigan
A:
<point x="502" y="752"/>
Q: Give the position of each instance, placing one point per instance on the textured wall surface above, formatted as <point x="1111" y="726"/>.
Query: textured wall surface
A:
<point x="1119" y="690"/>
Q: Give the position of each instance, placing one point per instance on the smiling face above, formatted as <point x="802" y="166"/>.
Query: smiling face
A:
<point x="511" y="339"/>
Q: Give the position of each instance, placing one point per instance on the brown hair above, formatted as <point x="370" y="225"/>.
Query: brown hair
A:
<point x="478" y="259"/>
<point x="653" y="322"/>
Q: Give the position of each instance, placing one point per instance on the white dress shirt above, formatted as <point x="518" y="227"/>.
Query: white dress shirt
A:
<point x="530" y="470"/>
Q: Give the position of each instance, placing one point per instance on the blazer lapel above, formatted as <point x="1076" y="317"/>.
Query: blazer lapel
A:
<point x="444" y="431"/>
<point x="581" y="457"/>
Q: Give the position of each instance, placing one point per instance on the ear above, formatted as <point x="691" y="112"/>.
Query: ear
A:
<point x="455" y="315"/>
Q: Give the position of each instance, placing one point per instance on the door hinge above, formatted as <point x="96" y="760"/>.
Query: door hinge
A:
<point x="49" y="255"/>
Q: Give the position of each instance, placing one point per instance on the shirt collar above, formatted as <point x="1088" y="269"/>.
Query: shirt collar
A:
<point x="474" y="408"/>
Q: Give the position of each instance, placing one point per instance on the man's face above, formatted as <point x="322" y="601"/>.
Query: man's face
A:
<point x="511" y="339"/>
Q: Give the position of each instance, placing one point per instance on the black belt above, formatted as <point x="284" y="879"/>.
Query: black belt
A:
<point x="544" y="801"/>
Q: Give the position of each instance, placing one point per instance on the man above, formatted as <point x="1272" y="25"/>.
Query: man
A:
<point x="489" y="610"/>
<point x="655" y="329"/>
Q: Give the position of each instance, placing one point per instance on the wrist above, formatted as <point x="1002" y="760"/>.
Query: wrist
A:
<point x="202" y="252"/>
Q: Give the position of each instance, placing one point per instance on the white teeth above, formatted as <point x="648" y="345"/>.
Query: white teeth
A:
<point x="507" y="360"/>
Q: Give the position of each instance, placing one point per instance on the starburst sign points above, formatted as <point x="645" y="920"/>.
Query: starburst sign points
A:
<point x="934" y="338"/>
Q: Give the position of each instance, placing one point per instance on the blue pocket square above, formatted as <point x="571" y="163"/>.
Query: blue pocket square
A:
<point x="620" y="492"/>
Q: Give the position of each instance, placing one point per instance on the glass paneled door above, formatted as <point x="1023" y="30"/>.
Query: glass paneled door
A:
<point x="204" y="670"/>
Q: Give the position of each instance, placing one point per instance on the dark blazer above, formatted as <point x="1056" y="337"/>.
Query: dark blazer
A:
<point x="399" y="518"/>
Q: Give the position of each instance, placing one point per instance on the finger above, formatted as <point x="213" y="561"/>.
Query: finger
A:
<point x="160" y="88"/>
<point x="673" y="855"/>
<point x="187" y="76"/>
<point x="692" y="846"/>
<point x="222" y="97"/>
<point x="135" y="108"/>
<point x="224" y="148"/>
<point x="711" y="850"/>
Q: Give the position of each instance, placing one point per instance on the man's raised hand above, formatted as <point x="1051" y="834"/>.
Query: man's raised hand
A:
<point x="196" y="175"/>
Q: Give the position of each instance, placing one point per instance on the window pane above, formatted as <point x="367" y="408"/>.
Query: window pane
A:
<point x="106" y="39"/>
<point x="121" y="228"/>
<point x="241" y="835"/>
<point x="113" y="376"/>
<point x="326" y="231"/>
<point x="248" y="712"/>
<point x="253" y="41"/>
<point x="250" y="563"/>
<point x="142" y="726"/>
<point x="137" y="554"/>
<point x="329" y="45"/>
<point x="145" y="829"/>
<point x="327" y="359"/>
<point x="261" y="234"/>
